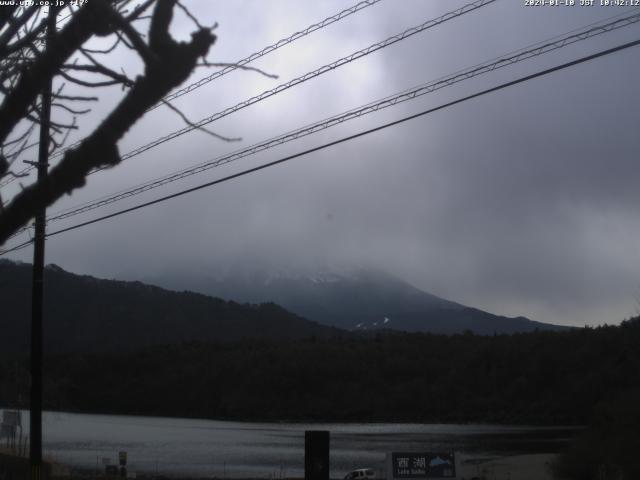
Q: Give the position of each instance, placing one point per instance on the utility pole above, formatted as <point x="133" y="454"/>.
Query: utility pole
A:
<point x="35" y="423"/>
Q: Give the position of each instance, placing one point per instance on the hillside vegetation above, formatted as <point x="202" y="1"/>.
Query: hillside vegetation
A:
<point x="86" y="314"/>
<point x="539" y="378"/>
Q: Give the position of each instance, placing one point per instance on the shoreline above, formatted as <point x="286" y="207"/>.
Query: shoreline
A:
<point x="479" y="423"/>
<point x="533" y="466"/>
<point x="528" y="466"/>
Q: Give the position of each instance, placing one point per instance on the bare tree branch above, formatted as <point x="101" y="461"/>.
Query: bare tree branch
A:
<point x="188" y="14"/>
<point x="88" y="84"/>
<point x="24" y="41"/>
<point x="200" y="128"/>
<point x="170" y="65"/>
<point x="76" y="98"/>
<point x="139" y="10"/>
<point x="15" y="24"/>
<point x="106" y="50"/>
<point x="238" y="66"/>
<point x="69" y="109"/>
<point x="101" y="69"/>
<point x="89" y="19"/>
<point x="134" y="37"/>
<point x="6" y="13"/>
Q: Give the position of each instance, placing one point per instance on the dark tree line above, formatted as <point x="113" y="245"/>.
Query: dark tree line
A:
<point x="585" y="376"/>
<point x="540" y="378"/>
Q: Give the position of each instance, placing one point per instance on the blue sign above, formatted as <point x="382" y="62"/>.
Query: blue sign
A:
<point x="423" y="465"/>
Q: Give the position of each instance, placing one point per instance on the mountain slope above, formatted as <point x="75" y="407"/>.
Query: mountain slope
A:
<point x="355" y="300"/>
<point x="83" y="313"/>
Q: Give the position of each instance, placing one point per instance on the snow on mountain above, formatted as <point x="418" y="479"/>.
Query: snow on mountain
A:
<point x="349" y="298"/>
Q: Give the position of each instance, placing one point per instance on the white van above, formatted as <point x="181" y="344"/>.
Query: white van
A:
<point x="361" y="474"/>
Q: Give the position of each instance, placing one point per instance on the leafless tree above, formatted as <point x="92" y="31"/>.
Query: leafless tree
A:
<point x="29" y="57"/>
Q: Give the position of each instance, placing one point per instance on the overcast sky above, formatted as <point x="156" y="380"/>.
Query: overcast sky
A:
<point x="521" y="202"/>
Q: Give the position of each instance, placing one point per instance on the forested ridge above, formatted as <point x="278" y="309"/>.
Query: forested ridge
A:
<point x="537" y="378"/>
<point x="89" y="315"/>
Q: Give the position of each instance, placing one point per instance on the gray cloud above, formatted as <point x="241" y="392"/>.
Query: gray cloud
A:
<point x="522" y="202"/>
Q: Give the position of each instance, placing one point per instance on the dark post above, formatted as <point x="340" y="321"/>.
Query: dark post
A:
<point x="35" y="424"/>
<point x="123" y="464"/>
<point x="316" y="455"/>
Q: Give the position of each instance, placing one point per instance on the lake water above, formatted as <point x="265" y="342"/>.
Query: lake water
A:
<point x="206" y="448"/>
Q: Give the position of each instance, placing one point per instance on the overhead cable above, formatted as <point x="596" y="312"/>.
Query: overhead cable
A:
<point x="271" y="48"/>
<point x="299" y="80"/>
<point x="313" y="74"/>
<point x="339" y="141"/>
<point x="489" y="66"/>
<point x="239" y="64"/>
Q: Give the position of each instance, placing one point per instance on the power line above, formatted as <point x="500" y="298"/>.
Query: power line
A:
<point x="230" y="68"/>
<point x="341" y="140"/>
<point x="307" y="76"/>
<point x="313" y="74"/>
<point x="486" y="67"/>
<point x="266" y="50"/>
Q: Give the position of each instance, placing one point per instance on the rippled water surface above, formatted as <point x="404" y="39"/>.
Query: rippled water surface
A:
<point x="206" y="448"/>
